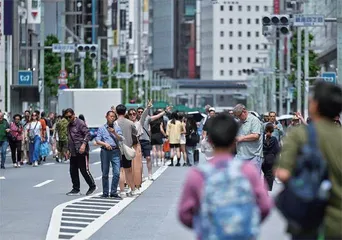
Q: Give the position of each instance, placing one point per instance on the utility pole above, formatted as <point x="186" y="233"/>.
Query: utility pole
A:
<point x="274" y="77"/>
<point x="288" y="73"/>
<point x="82" y="56"/>
<point x="63" y="34"/>
<point x="15" y="49"/>
<point x="119" y="44"/>
<point x="127" y="51"/>
<point x="339" y="41"/>
<point x="281" y="73"/>
<point x="41" y="82"/>
<point x="299" y="69"/>
<point x="110" y="70"/>
<point x="306" y="72"/>
<point x="99" y="62"/>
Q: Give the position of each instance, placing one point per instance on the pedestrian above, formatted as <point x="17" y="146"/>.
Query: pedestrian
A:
<point x="183" y="140"/>
<point x="15" y="141"/>
<point x="324" y="105"/>
<point x="25" y="143"/>
<point x="157" y="135"/>
<point x="61" y="138"/>
<point x="278" y="128"/>
<point x="34" y="134"/>
<point x="224" y="198"/>
<point x="4" y="130"/>
<point x="271" y="149"/>
<point x="78" y="148"/>
<point x="192" y="139"/>
<point x="108" y="137"/>
<point x="173" y="131"/>
<point x="249" y="138"/>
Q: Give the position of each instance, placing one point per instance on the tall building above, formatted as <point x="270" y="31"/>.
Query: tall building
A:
<point x="231" y="37"/>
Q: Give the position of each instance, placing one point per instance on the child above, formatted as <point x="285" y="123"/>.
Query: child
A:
<point x="271" y="149"/>
<point x="224" y="198"/>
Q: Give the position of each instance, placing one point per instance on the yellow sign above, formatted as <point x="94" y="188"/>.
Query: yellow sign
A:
<point x="116" y="37"/>
<point x="145" y="5"/>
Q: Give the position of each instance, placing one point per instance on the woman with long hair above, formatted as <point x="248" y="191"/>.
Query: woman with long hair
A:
<point x="34" y="134"/>
<point x="183" y="140"/>
<point x="192" y="139"/>
<point x="173" y="131"/>
<point x="16" y="133"/>
<point x="157" y="135"/>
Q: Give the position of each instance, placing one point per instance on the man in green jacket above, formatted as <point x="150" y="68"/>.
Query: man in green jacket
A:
<point x="4" y="130"/>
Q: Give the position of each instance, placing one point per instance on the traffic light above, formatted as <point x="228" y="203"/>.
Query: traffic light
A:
<point x="91" y="48"/>
<point x="282" y="22"/>
<point x="138" y="75"/>
<point x="248" y="71"/>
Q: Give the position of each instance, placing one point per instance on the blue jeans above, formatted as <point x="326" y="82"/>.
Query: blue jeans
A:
<point x="108" y="157"/>
<point x="190" y="154"/>
<point x="257" y="161"/>
<point x="3" y="148"/>
<point x="34" y="149"/>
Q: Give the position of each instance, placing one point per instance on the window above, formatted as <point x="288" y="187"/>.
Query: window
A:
<point x="248" y="21"/>
<point x="222" y="8"/>
<point x="230" y="59"/>
<point x="221" y="46"/>
<point x="266" y="8"/>
<point x="257" y="21"/>
<point x="248" y="59"/>
<point x="240" y="59"/>
<point x="240" y="34"/>
<point x="248" y="8"/>
<point x="240" y="46"/>
<point x="231" y="21"/>
<point x="230" y="72"/>
<point x="230" y="8"/>
<point x="257" y="60"/>
<point x="222" y="33"/>
<point x="265" y="46"/>
<point x="240" y="21"/>
<point x="257" y="8"/>
<point x="231" y="46"/>
<point x="222" y="73"/>
<point x="231" y="34"/>
<point x="222" y="20"/>
<point x="240" y="72"/>
<point x="248" y="47"/>
<point x="221" y="59"/>
<point x="257" y="34"/>
<point x="240" y="8"/>
<point x="248" y="34"/>
<point x="256" y="47"/>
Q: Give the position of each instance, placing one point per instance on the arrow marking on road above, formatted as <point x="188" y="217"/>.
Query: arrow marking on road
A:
<point x="43" y="183"/>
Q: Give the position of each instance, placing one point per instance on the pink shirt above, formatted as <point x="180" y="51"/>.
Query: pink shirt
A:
<point x="191" y="196"/>
<point x="16" y="131"/>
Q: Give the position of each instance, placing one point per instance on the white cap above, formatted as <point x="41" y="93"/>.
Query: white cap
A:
<point x="212" y="109"/>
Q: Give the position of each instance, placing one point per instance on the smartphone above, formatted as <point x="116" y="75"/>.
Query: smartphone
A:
<point x="111" y="125"/>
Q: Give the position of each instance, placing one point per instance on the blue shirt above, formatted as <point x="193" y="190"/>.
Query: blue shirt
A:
<point x="104" y="135"/>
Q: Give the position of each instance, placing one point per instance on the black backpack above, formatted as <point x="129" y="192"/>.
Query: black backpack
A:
<point x="301" y="202"/>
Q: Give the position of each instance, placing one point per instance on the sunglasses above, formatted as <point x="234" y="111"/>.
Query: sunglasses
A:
<point x="34" y="115"/>
<point x="132" y="114"/>
<point x="140" y="112"/>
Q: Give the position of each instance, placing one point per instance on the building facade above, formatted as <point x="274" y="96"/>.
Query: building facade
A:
<point x="231" y="37"/>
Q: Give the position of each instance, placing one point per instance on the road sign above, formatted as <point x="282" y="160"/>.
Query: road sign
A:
<point x="34" y="11"/>
<point x="124" y="75"/>
<point x="66" y="48"/>
<point x="63" y="74"/>
<point x="25" y="77"/>
<point x="301" y="20"/>
<point x="62" y="81"/>
<point x="329" y="77"/>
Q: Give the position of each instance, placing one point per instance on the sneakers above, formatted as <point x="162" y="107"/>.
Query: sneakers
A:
<point x="185" y="164"/>
<point x="150" y="177"/>
<point x="15" y="165"/>
<point x="73" y="192"/>
<point x="171" y="164"/>
<point x="91" y="190"/>
<point x="136" y="192"/>
<point x="104" y="196"/>
<point x="129" y="193"/>
<point x="2" y="167"/>
<point x="115" y="196"/>
<point x="178" y="164"/>
<point x="35" y="164"/>
<point x="57" y="159"/>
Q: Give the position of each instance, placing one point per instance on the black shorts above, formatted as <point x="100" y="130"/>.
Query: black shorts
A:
<point x="157" y="139"/>
<point x="175" y="145"/>
<point x="146" y="148"/>
<point x="124" y="163"/>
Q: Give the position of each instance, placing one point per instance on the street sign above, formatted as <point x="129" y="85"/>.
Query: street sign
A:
<point x="63" y="48"/>
<point x="124" y="75"/>
<point x="34" y="11"/>
<point x="25" y="77"/>
<point x="62" y="81"/>
<point x="63" y="74"/>
<point x="301" y="20"/>
<point x="329" y="77"/>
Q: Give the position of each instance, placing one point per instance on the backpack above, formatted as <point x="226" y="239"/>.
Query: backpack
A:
<point x="301" y="202"/>
<point x="193" y="138"/>
<point x="228" y="207"/>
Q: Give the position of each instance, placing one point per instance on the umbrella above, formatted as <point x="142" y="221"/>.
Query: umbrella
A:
<point x="196" y="115"/>
<point x="285" y="117"/>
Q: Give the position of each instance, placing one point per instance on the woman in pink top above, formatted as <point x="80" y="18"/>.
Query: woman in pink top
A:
<point x="194" y="199"/>
<point x="15" y="140"/>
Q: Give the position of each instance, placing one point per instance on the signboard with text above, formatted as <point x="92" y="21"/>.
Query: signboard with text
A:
<point x="25" y="77"/>
<point x="63" y="48"/>
<point x="301" y="20"/>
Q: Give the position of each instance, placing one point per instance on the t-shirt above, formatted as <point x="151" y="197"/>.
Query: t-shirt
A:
<point x="330" y="144"/>
<point x="34" y="127"/>
<point x="128" y="129"/>
<point x="3" y="126"/>
<point x="146" y="129"/>
<point x="174" y="131"/>
<point x="62" y="130"/>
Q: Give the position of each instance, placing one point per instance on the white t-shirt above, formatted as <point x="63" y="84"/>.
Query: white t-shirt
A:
<point x="35" y="127"/>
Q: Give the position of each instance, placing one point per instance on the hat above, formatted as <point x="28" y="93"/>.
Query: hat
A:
<point x="212" y="109"/>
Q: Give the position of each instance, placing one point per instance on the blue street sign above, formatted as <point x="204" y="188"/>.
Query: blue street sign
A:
<point x="301" y="20"/>
<point x="329" y="77"/>
<point x="25" y="77"/>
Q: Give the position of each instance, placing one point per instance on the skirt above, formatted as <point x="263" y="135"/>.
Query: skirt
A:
<point x="137" y="166"/>
<point x="182" y="139"/>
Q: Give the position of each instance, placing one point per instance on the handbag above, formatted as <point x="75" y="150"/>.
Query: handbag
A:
<point x="129" y="152"/>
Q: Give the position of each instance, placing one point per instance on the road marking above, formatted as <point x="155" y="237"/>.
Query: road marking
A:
<point x="96" y="150"/>
<point x="2" y="178"/>
<point x="43" y="183"/>
<point x="68" y="210"/>
<point x="98" y="178"/>
<point x="96" y="163"/>
<point x="47" y="164"/>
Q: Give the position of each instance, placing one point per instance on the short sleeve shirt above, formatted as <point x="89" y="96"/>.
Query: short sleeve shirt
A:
<point x="34" y="127"/>
<point x="249" y="150"/>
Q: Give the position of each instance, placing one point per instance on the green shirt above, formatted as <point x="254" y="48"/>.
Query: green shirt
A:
<point x="3" y="126"/>
<point x="62" y="130"/>
<point x="330" y="144"/>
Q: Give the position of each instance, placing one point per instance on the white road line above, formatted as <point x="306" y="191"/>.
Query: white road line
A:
<point x="2" y="178"/>
<point x="96" y="163"/>
<point x="43" y="183"/>
<point x="86" y="218"/>
<point x="98" y="178"/>
<point x="75" y="222"/>
<point x="47" y="164"/>
<point x="69" y="227"/>
<point x="96" y="150"/>
<point x="78" y="209"/>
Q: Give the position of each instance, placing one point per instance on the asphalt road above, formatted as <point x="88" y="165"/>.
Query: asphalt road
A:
<point x="26" y="210"/>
